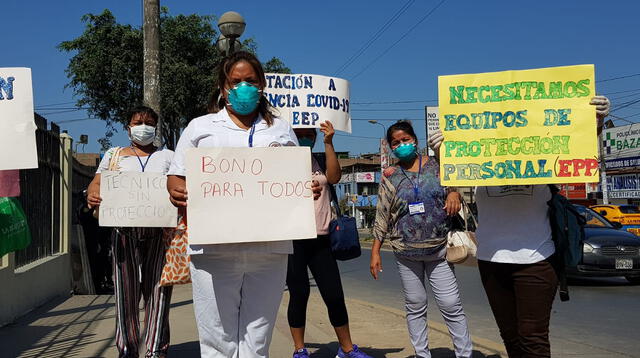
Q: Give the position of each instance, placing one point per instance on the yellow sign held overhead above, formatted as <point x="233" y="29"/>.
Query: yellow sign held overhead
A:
<point x="518" y="127"/>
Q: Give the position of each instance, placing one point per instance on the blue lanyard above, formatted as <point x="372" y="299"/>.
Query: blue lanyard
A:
<point x="416" y="185"/>
<point x="143" y="166"/>
<point x="253" y="129"/>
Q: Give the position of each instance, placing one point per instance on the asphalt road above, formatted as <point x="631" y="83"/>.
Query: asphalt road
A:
<point x="602" y="319"/>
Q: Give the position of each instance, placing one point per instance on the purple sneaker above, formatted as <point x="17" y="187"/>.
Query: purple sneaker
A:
<point x="301" y="353"/>
<point x="355" y="353"/>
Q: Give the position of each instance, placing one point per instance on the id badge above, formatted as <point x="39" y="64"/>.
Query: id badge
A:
<point x="416" y="208"/>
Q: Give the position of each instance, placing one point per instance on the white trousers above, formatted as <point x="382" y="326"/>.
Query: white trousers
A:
<point x="236" y="297"/>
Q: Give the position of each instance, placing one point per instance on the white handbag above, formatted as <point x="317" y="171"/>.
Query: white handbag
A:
<point x="462" y="243"/>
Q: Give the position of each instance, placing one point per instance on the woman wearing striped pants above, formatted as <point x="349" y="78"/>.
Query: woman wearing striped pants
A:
<point x="138" y="253"/>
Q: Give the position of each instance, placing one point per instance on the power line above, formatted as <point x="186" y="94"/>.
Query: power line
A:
<point x="625" y="96"/>
<point x="622" y="119"/>
<point x="396" y="102"/>
<point x="60" y="112"/>
<point x="400" y="39"/>
<point x="364" y="137"/>
<point x="74" y="120"/>
<point x="373" y="38"/>
<point x="625" y="105"/>
<point x="58" y="108"/>
<point x="387" y="110"/>
<point x="387" y="119"/>
<point x="618" y="78"/>
<point x="617" y="92"/>
<point x="56" y="104"/>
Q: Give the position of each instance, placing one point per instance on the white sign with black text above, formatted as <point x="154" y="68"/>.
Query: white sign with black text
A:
<point x="131" y="199"/>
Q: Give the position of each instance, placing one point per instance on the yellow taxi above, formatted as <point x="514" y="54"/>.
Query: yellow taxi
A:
<point x="627" y="215"/>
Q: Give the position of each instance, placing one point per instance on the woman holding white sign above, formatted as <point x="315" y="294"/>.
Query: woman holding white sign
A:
<point x="411" y="215"/>
<point x="138" y="252"/>
<point x="237" y="288"/>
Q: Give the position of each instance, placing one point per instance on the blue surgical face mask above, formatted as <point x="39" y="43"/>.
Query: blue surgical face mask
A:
<point x="306" y="142"/>
<point x="244" y="98"/>
<point x="405" y="151"/>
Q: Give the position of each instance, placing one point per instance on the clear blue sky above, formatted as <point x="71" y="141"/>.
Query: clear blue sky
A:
<point x="319" y="37"/>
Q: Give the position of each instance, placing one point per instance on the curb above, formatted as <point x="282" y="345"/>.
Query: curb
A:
<point x="494" y="347"/>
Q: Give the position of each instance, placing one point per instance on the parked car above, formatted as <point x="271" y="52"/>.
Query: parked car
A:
<point x="627" y="215"/>
<point x="607" y="250"/>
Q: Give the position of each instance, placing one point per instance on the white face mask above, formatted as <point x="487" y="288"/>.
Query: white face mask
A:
<point x="142" y="134"/>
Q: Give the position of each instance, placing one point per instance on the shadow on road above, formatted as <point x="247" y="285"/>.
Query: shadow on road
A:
<point x="53" y="330"/>
<point x="328" y="350"/>
<point x="185" y="350"/>
<point x="448" y="353"/>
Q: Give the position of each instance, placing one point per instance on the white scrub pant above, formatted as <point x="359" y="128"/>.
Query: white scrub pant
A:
<point x="236" y="297"/>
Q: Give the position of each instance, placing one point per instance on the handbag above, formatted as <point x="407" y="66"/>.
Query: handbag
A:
<point x="113" y="166"/>
<point x="176" y="264"/>
<point x="14" y="228"/>
<point x="461" y="243"/>
<point x="343" y="233"/>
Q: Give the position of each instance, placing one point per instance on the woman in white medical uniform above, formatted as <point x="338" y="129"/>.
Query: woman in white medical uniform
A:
<point x="237" y="288"/>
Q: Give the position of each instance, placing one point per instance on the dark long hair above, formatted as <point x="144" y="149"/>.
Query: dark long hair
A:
<point x="401" y="125"/>
<point x="217" y="102"/>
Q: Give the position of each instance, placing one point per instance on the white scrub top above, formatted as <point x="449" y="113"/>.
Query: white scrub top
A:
<point x="219" y="130"/>
<point x="158" y="162"/>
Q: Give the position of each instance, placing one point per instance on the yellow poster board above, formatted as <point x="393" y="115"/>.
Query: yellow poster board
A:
<point x="518" y="127"/>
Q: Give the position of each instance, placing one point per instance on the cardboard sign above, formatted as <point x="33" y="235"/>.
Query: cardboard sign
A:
<point x="249" y="195"/>
<point x="308" y="100"/>
<point x="17" y="126"/>
<point x="518" y="127"/>
<point x="131" y="199"/>
<point x="384" y="155"/>
<point x="433" y="123"/>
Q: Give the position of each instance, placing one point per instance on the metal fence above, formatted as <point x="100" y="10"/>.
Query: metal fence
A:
<point x="40" y="196"/>
<point x="82" y="176"/>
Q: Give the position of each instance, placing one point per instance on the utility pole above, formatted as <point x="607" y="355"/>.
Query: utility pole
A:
<point x="354" y="186"/>
<point x="151" y="76"/>
<point x="603" y="170"/>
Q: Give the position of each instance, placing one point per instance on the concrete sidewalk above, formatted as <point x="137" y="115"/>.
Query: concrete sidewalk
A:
<point x="83" y="326"/>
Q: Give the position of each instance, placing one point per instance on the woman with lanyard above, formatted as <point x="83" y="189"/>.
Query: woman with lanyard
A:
<point x="411" y="214"/>
<point x="237" y="288"/>
<point x="138" y="252"/>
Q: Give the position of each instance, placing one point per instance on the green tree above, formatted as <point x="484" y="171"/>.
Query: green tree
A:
<point x="275" y="65"/>
<point x="105" y="71"/>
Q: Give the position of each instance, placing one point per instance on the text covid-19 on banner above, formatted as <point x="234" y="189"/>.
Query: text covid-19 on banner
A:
<point x="309" y="100"/>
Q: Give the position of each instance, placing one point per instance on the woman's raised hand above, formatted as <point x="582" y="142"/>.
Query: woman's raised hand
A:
<point x="435" y="140"/>
<point x="327" y="129"/>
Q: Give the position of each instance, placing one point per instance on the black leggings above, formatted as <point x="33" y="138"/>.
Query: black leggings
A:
<point x="316" y="254"/>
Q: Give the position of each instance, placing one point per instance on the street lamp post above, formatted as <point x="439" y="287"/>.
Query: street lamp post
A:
<point x="383" y="145"/>
<point x="384" y="129"/>
<point x="231" y="25"/>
